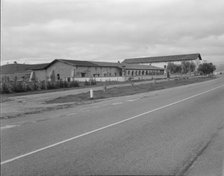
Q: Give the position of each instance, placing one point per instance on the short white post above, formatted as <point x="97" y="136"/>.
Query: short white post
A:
<point x="154" y="81"/>
<point x="91" y="93"/>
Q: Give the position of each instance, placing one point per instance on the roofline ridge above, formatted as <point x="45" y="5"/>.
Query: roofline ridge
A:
<point x="163" y="56"/>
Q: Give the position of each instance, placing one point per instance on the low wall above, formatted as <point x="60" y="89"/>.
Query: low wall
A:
<point x="100" y="79"/>
<point x="119" y="79"/>
<point x="148" y="77"/>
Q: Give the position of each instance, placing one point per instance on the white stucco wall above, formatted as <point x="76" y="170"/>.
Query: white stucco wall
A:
<point x="41" y="75"/>
<point x="101" y="79"/>
<point x="148" y="77"/>
<point x="162" y="64"/>
<point x="101" y="71"/>
<point x="65" y="71"/>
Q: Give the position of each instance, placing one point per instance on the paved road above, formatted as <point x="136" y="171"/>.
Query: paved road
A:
<point x="157" y="133"/>
<point x="211" y="161"/>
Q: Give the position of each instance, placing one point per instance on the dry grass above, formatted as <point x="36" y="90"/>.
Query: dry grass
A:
<point x="127" y="90"/>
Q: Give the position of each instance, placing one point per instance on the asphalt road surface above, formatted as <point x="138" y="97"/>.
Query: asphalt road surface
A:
<point x="156" y="133"/>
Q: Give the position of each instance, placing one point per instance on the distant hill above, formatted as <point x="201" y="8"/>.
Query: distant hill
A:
<point x="17" y="68"/>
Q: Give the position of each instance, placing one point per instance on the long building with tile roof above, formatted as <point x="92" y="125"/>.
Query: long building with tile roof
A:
<point x="170" y="58"/>
<point x="66" y="69"/>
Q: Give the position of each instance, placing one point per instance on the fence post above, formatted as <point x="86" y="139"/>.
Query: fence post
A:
<point x="91" y="93"/>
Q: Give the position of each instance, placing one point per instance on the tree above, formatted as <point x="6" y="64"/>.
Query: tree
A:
<point x="206" y="68"/>
<point x="187" y="67"/>
<point x="192" y="66"/>
<point x="52" y="76"/>
<point x="174" y="68"/>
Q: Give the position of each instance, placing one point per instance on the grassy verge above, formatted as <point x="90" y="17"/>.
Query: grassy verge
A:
<point x="5" y="96"/>
<point x="127" y="90"/>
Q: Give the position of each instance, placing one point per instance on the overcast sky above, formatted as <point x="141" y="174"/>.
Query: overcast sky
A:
<point x="38" y="31"/>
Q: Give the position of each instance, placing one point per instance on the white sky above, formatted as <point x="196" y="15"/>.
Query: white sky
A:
<point x="38" y="31"/>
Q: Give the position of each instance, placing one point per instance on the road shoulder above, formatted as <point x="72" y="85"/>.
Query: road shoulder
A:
<point x="210" y="163"/>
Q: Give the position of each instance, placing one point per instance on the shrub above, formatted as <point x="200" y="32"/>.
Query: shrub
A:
<point x="86" y="83"/>
<point x="22" y="86"/>
<point x="17" y="87"/>
<point x="65" y="84"/>
<point x="206" y="68"/>
<point x="50" y="85"/>
<point x="58" y="84"/>
<point x="42" y="85"/>
<point x="74" y="84"/>
<point x="92" y="82"/>
<point x="36" y="86"/>
<point x="5" y="88"/>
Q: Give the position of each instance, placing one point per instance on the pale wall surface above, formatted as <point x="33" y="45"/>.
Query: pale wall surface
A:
<point x="41" y="75"/>
<point x="65" y="71"/>
<point x="99" y="73"/>
<point x="103" y="79"/>
<point x="102" y="71"/>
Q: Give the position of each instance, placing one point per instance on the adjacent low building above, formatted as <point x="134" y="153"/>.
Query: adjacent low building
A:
<point x="133" y="70"/>
<point x="162" y="61"/>
<point x="19" y="72"/>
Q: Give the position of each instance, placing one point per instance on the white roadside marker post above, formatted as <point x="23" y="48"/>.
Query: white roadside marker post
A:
<point x="91" y="93"/>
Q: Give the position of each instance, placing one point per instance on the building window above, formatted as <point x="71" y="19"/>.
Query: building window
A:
<point x="96" y="75"/>
<point x="58" y="76"/>
<point x="83" y="75"/>
<point x="153" y="72"/>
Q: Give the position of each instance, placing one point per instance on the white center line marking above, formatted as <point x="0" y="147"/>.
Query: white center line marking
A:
<point x="117" y="103"/>
<point x="102" y="128"/>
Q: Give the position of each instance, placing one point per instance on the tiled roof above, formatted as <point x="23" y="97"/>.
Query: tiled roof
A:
<point x="77" y="62"/>
<point x="86" y="63"/>
<point x="171" y="58"/>
<point x="141" y="67"/>
<point x="18" y="68"/>
<point x="107" y="64"/>
<point x="38" y="66"/>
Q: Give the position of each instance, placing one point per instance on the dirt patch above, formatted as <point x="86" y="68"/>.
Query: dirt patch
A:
<point x="127" y="90"/>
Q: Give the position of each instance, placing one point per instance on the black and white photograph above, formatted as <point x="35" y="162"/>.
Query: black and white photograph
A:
<point x="112" y="87"/>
